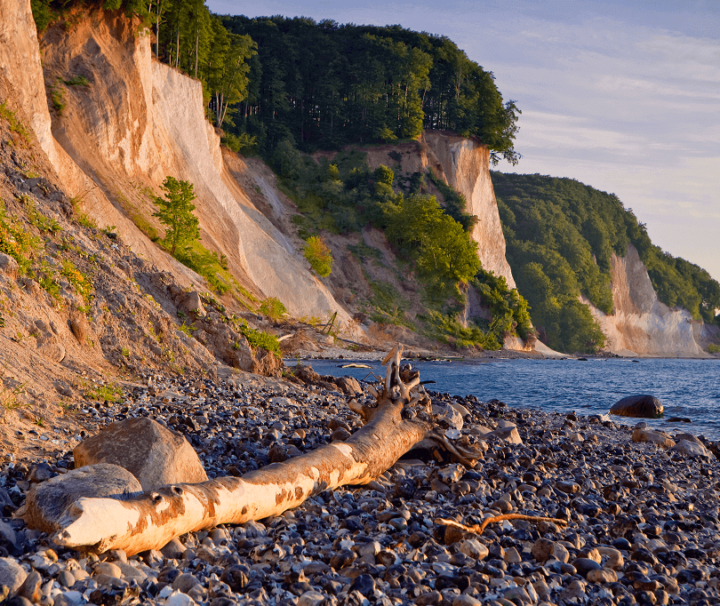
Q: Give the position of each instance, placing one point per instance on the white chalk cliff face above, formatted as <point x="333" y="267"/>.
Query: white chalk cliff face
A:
<point x="466" y="166"/>
<point x="641" y="324"/>
<point x="136" y="123"/>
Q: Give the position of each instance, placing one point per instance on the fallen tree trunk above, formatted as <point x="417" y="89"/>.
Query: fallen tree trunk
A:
<point x="400" y="421"/>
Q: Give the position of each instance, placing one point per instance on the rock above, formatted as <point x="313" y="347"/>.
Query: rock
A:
<point x="80" y="328"/>
<point x="311" y="598"/>
<point x="574" y="591"/>
<point x="465" y="600"/>
<point x="601" y="575"/>
<point x="363" y="583"/>
<point x="185" y="582"/>
<point x="615" y="559"/>
<point x="177" y="598"/>
<point x="585" y="565"/>
<point x="7" y="533"/>
<point x="567" y="487"/>
<point x="446" y="413"/>
<point x="542" y="550"/>
<point x="173" y="550"/>
<point x="47" y="501"/>
<point x="31" y="588"/>
<point x="349" y="385"/>
<point x="473" y="548"/>
<point x="655" y="437"/>
<point x="191" y="304"/>
<point x="512" y="556"/>
<point x="155" y="455"/>
<point x="109" y="569"/>
<point x="8" y="265"/>
<point x="506" y="434"/>
<point x="12" y="575"/>
<point x="690" y="445"/>
<point x="560" y="553"/>
<point x="643" y="407"/>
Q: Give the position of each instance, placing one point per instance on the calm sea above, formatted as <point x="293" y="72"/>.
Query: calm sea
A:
<point x="687" y="388"/>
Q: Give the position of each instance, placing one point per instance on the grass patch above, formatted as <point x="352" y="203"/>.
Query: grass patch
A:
<point x="37" y="219"/>
<point x="57" y="97"/>
<point x="79" y="281"/>
<point x="82" y="218"/>
<point x="109" y="392"/>
<point x="17" y="242"/>
<point x="258" y="339"/>
<point x="388" y="305"/>
<point x="209" y="265"/>
<point x="273" y="308"/>
<point x="16" y="125"/>
<point x="78" y="80"/>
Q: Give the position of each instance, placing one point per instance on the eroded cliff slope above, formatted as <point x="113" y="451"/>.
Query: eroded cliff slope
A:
<point x="640" y="323"/>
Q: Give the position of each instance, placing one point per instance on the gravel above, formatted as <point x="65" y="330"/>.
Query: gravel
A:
<point x="642" y="521"/>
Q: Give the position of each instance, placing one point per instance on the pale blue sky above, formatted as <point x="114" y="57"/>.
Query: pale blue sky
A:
<point x="623" y="96"/>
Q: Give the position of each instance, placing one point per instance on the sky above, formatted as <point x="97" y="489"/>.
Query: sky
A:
<point x="621" y="95"/>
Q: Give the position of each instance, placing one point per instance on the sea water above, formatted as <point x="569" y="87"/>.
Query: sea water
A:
<point x="687" y="388"/>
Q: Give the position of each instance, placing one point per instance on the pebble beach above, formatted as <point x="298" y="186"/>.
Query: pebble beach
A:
<point x="640" y="520"/>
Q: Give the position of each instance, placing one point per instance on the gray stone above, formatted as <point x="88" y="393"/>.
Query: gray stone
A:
<point x="155" y="455"/>
<point x="642" y="406"/>
<point x="8" y="265"/>
<point x="47" y="501"/>
<point x="190" y="303"/>
<point x="12" y="575"/>
<point x="691" y="448"/>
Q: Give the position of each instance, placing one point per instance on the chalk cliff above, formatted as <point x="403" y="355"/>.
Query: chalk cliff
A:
<point x="641" y="324"/>
<point x="138" y="120"/>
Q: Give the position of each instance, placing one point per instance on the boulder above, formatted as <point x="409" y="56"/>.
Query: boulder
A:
<point x="47" y="501"/>
<point x="642" y="407"/>
<point x="155" y="455"/>
<point x="690" y="447"/>
<point x="640" y="434"/>
<point x="349" y="385"/>
<point x="508" y="434"/>
<point x="191" y="304"/>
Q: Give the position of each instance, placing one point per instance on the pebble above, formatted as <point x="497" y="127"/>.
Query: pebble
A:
<point x="642" y="521"/>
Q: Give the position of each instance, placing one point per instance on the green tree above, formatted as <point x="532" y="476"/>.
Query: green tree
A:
<point x="319" y="256"/>
<point x="176" y="211"/>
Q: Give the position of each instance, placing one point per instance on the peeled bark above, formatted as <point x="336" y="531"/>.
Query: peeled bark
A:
<point x="399" y="422"/>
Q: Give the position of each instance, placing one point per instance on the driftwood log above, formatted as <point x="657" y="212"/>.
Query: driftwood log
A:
<point x="400" y="420"/>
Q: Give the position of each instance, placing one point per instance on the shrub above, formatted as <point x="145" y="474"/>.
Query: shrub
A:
<point x="258" y="338"/>
<point x="79" y="281"/>
<point x="273" y="308"/>
<point x="713" y="349"/>
<point x="318" y="255"/>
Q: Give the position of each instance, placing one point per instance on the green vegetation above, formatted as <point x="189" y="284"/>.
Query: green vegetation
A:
<point x="713" y="349"/>
<point x="324" y="85"/>
<point x="108" y="392"/>
<point x="176" y="212"/>
<point x="77" y="80"/>
<point x="79" y="281"/>
<point x="82" y="218"/>
<point x="257" y="339"/>
<point x="16" y="125"/>
<point x="17" y="242"/>
<point x="57" y="96"/>
<point x="273" y="308"/>
<point x="561" y="236"/>
<point x="319" y="256"/>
